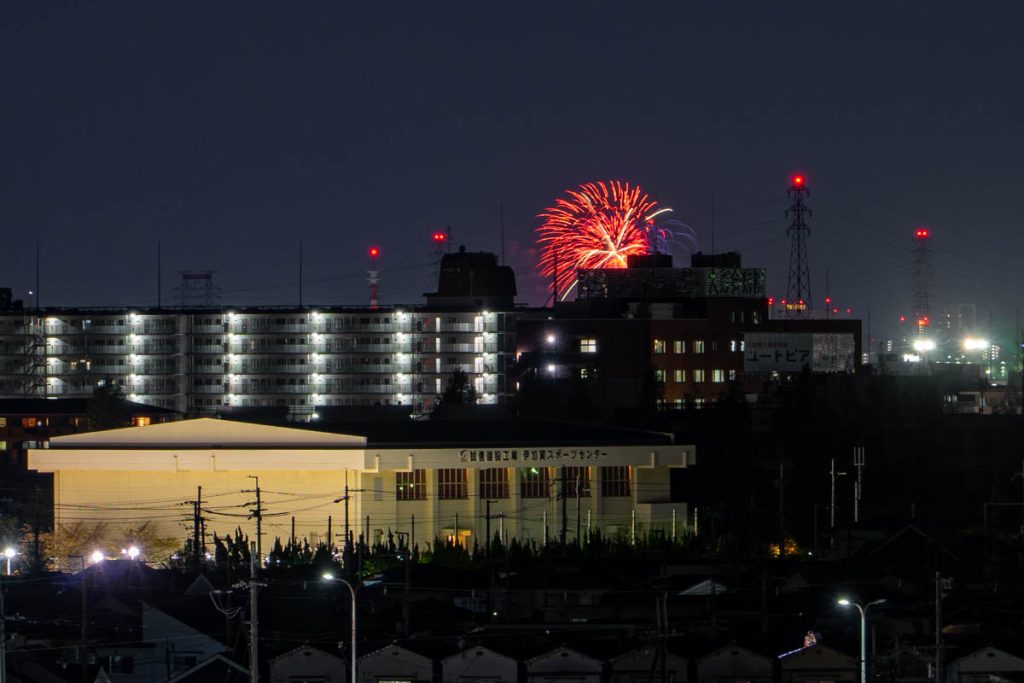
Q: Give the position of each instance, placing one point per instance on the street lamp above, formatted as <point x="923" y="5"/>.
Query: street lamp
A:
<point x="327" y="576"/>
<point x="9" y="554"/>
<point x="863" y="632"/>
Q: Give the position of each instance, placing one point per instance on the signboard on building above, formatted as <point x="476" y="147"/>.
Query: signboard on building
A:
<point x="778" y="352"/>
<point x="820" y="352"/>
<point x="671" y="283"/>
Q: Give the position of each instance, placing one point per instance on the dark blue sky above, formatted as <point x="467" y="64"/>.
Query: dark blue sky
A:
<point x="230" y="131"/>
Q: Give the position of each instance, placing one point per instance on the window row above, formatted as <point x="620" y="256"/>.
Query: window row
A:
<point x="696" y="346"/>
<point x="698" y="376"/>
<point x="534" y="482"/>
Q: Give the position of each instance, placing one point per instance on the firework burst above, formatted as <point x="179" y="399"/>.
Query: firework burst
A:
<point x="599" y="225"/>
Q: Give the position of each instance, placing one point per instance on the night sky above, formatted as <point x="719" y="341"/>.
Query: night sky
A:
<point x="231" y="131"/>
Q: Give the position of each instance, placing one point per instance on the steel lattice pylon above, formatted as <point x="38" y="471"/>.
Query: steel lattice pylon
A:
<point x="798" y="291"/>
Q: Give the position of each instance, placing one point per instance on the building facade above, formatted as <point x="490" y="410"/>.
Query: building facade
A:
<point x="338" y="484"/>
<point x="201" y="360"/>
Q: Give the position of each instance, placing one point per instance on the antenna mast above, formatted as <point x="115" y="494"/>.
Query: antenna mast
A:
<point x="798" y="292"/>
<point x="922" y="279"/>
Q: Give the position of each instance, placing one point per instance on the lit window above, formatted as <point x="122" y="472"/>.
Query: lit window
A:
<point x="142" y="420"/>
<point x="451" y="484"/>
<point x="659" y="346"/>
<point x="698" y="376"/>
<point x="743" y="345"/>
<point x="411" y="485"/>
<point x="588" y="346"/>
<point x="494" y="483"/>
<point x="659" y="375"/>
<point x="29" y="422"/>
<point x="732" y="375"/>
<point x="534" y="482"/>
<point x="698" y="346"/>
<point x="680" y="376"/>
<point x="584" y="373"/>
<point x="679" y="346"/>
<point x="718" y="376"/>
<point x="615" y="481"/>
<point x="732" y="346"/>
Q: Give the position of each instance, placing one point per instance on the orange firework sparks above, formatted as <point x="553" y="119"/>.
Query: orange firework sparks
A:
<point x="598" y="226"/>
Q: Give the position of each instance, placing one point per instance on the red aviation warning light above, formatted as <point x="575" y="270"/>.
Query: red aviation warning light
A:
<point x="922" y="321"/>
<point x="798" y="181"/>
<point x="374" y="252"/>
<point x="922" y="233"/>
<point x="439" y="237"/>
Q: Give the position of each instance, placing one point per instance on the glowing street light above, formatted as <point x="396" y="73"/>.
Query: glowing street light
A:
<point x="132" y="552"/>
<point x="327" y="576"/>
<point x="924" y="345"/>
<point x="863" y="632"/>
<point x="975" y="344"/>
<point x="9" y="554"/>
<point x="97" y="556"/>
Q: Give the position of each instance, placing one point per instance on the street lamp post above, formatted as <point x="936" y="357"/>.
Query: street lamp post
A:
<point x="352" y="592"/>
<point x="9" y="554"/>
<point x="863" y="632"/>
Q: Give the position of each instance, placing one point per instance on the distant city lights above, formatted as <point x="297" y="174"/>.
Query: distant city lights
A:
<point x="924" y="345"/>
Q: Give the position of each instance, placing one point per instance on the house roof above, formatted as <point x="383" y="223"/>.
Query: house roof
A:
<point x="304" y="648"/>
<point x="206" y="432"/>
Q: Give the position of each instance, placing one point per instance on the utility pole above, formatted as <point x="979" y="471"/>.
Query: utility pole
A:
<point x="196" y="522"/>
<point x="565" y="519"/>
<point x="858" y="487"/>
<point x="832" y="504"/>
<point x="579" y="496"/>
<point x="254" y="621"/>
<point x="938" y="627"/>
<point x="257" y="513"/>
<point x="84" y="657"/>
<point x="348" y="533"/>
<point x="487" y="526"/>
<point x="782" y="509"/>
<point x="3" y="638"/>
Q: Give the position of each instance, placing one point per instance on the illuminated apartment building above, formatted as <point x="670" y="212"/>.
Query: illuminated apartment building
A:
<point x="200" y="360"/>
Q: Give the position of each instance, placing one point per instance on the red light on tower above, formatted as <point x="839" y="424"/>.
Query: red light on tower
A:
<point x="771" y="301"/>
<point x="798" y="181"/>
<point x="374" y="252"/>
<point x="922" y="233"/>
<point x="440" y="237"/>
<point x="828" y="299"/>
<point x="903" y="318"/>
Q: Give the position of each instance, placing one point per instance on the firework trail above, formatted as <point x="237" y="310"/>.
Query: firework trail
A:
<point x="599" y="225"/>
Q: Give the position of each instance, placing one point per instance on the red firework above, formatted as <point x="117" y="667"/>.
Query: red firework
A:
<point x="598" y="226"/>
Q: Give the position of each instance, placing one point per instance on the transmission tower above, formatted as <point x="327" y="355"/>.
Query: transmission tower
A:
<point x="922" y="280"/>
<point x="197" y="289"/>
<point x="798" y="293"/>
<point x="374" y="277"/>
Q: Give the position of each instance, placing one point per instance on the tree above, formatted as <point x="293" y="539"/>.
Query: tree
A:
<point x="107" y="409"/>
<point x="459" y="391"/>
